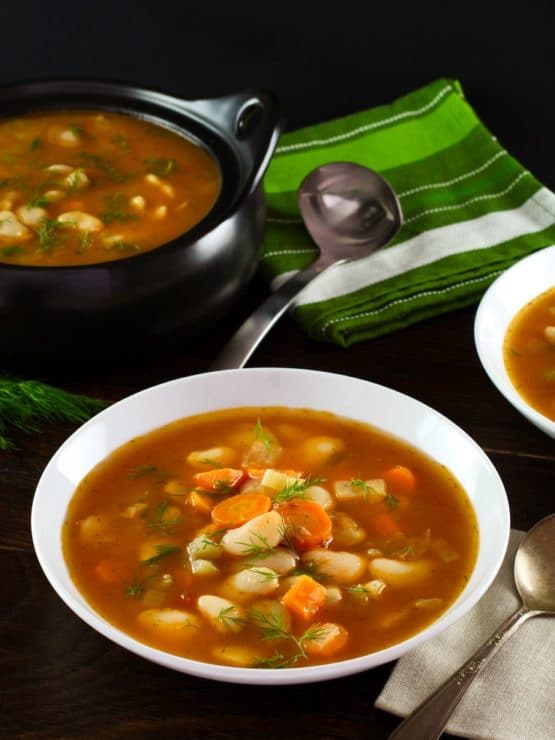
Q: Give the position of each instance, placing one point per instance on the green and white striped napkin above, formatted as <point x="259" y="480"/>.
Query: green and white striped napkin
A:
<point x="470" y="211"/>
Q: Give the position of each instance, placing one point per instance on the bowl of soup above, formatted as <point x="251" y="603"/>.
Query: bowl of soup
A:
<point x="515" y="337"/>
<point x="270" y="526"/>
<point x="126" y="214"/>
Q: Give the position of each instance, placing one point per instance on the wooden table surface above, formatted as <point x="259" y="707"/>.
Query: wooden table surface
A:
<point x="60" y="679"/>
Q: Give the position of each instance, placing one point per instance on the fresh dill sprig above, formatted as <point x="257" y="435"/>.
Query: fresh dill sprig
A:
<point x="272" y="627"/>
<point x="104" y="165"/>
<point x="297" y="489"/>
<point x="266" y="575"/>
<point x="390" y="501"/>
<point x="160" y="166"/>
<point x="27" y="404"/>
<point x="162" y="552"/>
<point x="116" y="205"/>
<point x="228" y="617"/>
<point x="258" y="547"/>
<point x="11" y="251"/>
<point x="48" y="233"/>
<point x="261" y="435"/>
<point x="147" y="469"/>
<point x="161" y="522"/>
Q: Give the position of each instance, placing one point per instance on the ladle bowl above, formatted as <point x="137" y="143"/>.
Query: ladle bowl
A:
<point x="350" y="211"/>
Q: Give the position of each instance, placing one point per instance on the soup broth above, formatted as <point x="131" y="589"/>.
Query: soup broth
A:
<point x="269" y="537"/>
<point x="529" y="353"/>
<point x="84" y="187"/>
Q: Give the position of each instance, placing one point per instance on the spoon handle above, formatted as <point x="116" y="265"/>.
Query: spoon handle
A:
<point x="428" y="720"/>
<point x="246" y="339"/>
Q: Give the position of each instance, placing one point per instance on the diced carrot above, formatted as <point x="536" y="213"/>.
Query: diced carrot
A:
<point x="111" y="571"/>
<point x="237" y="510"/>
<point x="400" y="479"/>
<point x="305" y="597"/>
<point x="307" y="522"/>
<point x="330" y="639"/>
<point x="200" y="503"/>
<point x="256" y="473"/>
<point x="214" y="480"/>
<point x="384" y="524"/>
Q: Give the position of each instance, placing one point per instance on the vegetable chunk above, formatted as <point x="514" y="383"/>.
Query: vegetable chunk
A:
<point x="305" y="597"/>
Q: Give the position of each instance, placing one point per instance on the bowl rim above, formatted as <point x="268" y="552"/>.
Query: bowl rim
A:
<point x="493" y="315"/>
<point x="243" y="675"/>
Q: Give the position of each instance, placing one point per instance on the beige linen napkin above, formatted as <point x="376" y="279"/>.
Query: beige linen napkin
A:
<point x="514" y="696"/>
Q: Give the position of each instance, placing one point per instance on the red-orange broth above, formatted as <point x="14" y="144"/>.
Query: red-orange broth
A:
<point x="529" y="353"/>
<point x="326" y="538"/>
<point x="82" y="187"/>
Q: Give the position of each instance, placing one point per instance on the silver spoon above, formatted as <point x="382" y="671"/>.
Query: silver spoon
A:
<point x="350" y="211"/>
<point x="534" y="572"/>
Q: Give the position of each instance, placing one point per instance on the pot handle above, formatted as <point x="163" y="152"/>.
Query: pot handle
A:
<point x="250" y="122"/>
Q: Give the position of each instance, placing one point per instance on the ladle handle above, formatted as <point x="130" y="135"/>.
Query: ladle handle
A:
<point x="429" y="719"/>
<point x="246" y="339"/>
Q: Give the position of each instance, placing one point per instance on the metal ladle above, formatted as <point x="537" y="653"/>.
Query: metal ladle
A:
<point x="534" y="572"/>
<point x="350" y="211"/>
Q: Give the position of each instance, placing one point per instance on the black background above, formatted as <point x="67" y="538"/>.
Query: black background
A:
<point x="322" y="59"/>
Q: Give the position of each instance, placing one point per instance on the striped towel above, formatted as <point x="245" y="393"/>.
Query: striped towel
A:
<point x="470" y="211"/>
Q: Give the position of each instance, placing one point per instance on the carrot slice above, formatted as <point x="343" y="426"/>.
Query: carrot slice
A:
<point x="307" y="523"/>
<point x="400" y="479"/>
<point x="384" y="524"/>
<point x="111" y="571"/>
<point x="237" y="510"/>
<point x="330" y="639"/>
<point x="219" y="478"/>
<point x="305" y="597"/>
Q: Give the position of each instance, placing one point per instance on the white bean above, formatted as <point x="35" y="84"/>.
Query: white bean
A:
<point x="60" y="169"/>
<point x="12" y="228"/>
<point x="81" y="221"/>
<point x="31" y="215"/>
<point x="262" y="530"/>
<point x="171" y="622"/>
<point x="223" y="615"/>
<point x="320" y="450"/>
<point x="399" y="573"/>
<point x="76" y="180"/>
<point x="137" y="202"/>
<point x="342" y="567"/>
<point x="224" y="456"/>
<point x="281" y="561"/>
<point x="94" y="529"/>
<point x="250" y="582"/>
<point x="549" y="334"/>
<point x="235" y="655"/>
<point x="321" y="495"/>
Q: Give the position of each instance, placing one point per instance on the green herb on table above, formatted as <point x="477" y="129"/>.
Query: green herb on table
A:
<point x="27" y="404"/>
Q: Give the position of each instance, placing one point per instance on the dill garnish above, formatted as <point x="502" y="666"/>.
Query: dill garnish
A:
<point x="228" y="618"/>
<point x="390" y="501"/>
<point x="160" y="166"/>
<point x="36" y="143"/>
<point x="116" y="209"/>
<point x="297" y="489"/>
<point x="272" y="627"/>
<point x="134" y="590"/>
<point x="104" y="165"/>
<point x="257" y="547"/>
<point x="11" y="251"/>
<point x="144" y="470"/>
<point x="162" y="552"/>
<point x="310" y="569"/>
<point x="38" y="201"/>
<point x="161" y="522"/>
<point x="48" y="233"/>
<point x="261" y="435"/>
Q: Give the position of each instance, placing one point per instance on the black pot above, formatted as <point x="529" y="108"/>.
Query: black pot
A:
<point x="182" y="286"/>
